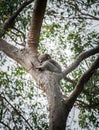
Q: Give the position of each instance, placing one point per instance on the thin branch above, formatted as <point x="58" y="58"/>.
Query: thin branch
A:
<point x="80" y="58"/>
<point x="13" y="17"/>
<point x="95" y="92"/>
<point x="19" y="113"/>
<point x="72" y="17"/>
<point x="5" y="125"/>
<point x="83" y="80"/>
<point x="90" y="16"/>
<point x="11" y="51"/>
<point x="20" y="33"/>
<point x="86" y="105"/>
<point x="14" y="40"/>
<point x="9" y="23"/>
<point x="36" y="23"/>
<point x="14" y="33"/>
<point x="15" y="123"/>
<point x="70" y="80"/>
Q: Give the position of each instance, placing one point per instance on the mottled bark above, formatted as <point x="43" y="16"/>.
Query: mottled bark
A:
<point x="36" y="23"/>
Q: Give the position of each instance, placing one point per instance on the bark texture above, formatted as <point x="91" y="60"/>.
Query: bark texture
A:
<point x="36" y="22"/>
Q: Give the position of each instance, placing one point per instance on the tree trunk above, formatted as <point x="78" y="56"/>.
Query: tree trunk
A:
<point x="57" y="115"/>
<point x="57" y="105"/>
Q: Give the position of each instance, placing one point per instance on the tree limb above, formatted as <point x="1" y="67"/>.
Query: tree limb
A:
<point x="88" y="106"/>
<point x="14" y="40"/>
<point x="86" y="14"/>
<point x="9" y="23"/>
<point x="19" y="113"/>
<point x="11" y="51"/>
<point x="89" y="16"/>
<point x="36" y="22"/>
<point x="95" y="92"/>
<point x="72" y="17"/>
<point x="22" y="35"/>
<point x="13" y="17"/>
<point x="70" y="80"/>
<point x="80" y="58"/>
<point x="5" y="125"/>
<point x="83" y="80"/>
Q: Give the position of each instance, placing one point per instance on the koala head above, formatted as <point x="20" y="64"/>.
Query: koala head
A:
<point x="44" y="57"/>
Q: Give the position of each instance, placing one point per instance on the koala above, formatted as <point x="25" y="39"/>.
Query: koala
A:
<point x="46" y="63"/>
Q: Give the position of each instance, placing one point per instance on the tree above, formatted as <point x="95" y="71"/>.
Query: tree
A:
<point x="60" y="105"/>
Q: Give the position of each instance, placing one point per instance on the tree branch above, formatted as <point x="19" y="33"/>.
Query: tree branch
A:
<point x="70" y="80"/>
<point x="72" y="17"/>
<point x="21" y="34"/>
<point x="9" y="23"/>
<point x="88" y="16"/>
<point x="80" y="58"/>
<point x="5" y="125"/>
<point x="83" y="80"/>
<point x="11" y="51"/>
<point x="14" y="40"/>
<point x="19" y="113"/>
<point x="86" y="105"/>
<point x="36" y="22"/>
<point x="95" y="91"/>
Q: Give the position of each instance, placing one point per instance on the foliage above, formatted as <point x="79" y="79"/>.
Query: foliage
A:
<point x="21" y="100"/>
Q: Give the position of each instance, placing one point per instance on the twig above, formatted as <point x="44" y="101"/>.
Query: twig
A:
<point x="20" y="32"/>
<point x="94" y="105"/>
<point x="16" y="41"/>
<point x="86" y="14"/>
<point x="5" y="125"/>
<point x="17" y="112"/>
<point x="70" y="80"/>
